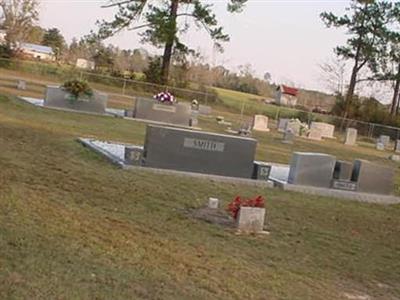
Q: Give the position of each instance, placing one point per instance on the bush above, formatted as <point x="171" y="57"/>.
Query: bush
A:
<point x="77" y="88"/>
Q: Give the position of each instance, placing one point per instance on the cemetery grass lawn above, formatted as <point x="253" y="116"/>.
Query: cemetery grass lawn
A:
<point x="72" y="226"/>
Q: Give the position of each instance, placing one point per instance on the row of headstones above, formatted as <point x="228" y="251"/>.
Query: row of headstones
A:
<point x="323" y="170"/>
<point x="383" y="142"/>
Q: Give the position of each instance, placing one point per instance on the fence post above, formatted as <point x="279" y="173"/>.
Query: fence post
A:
<point x="277" y="113"/>
<point x="206" y="96"/>
<point x="80" y="75"/>
<point x="124" y="87"/>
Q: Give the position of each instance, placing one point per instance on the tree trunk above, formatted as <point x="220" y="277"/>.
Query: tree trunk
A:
<point x="350" y="91"/>
<point x="169" y="45"/>
<point x="395" y="100"/>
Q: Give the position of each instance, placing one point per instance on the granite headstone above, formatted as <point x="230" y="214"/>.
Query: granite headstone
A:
<point x="150" y="109"/>
<point x="373" y="178"/>
<point x="57" y="97"/>
<point x="201" y="152"/>
<point x="311" y="169"/>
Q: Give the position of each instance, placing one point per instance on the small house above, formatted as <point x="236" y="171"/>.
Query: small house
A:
<point x="37" y="51"/>
<point x="286" y="96"/>
<point x="85" y="64"/>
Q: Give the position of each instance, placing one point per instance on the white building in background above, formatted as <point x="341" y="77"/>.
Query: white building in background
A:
<point x="85" y="64"/>
<point x="286" y="96"/>
<point x="2" y="36"/>
<point x="37" y="51"/>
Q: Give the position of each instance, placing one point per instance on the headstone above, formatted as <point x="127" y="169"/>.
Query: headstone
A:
<point x="150" y="109"/>
<point x="397" y="146"/>
<point x="21" y="85"/>
<point x="373" y="178"/>
<point x="288" y="137"/>
<point x="394" y="157"/>
<point x="205" y="110"/>
<point x="315" y="134"/>
<point x="380" y="146"/>
<point x="213" y="203"/>
<point x="261" y="170"/>
<point x="294" y="126"/>
<point x="57" y="97"/>
<point x="385" y="140"/>
<point x="351" y="137"/>
<point x="134" y="155"/>
<point x="197" y="151"/>
<point x="343" y="170"/>
<point x="327" y="130"/>
<point x="251" y="219"/>
<point x="282" y="123"/>
<point x="311" y="169"/>
<point x="260" y="123"/>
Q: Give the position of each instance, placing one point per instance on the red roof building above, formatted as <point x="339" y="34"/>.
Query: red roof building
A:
<point x="289" y="90"/>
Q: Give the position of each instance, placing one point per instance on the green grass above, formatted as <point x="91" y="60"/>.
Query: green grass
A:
<point x="72" y="226"/>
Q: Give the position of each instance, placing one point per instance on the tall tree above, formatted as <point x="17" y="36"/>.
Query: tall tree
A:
<point x="18" y="17"/>
<point x="365" y="26"/>
<point x="54" y="39"/>
<point x="164" y="21"/>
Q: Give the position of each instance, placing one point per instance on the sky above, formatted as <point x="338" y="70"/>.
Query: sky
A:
<point x="285" y="38"/>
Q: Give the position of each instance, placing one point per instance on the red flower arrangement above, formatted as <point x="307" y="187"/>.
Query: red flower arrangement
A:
<point x="238" y="202"/>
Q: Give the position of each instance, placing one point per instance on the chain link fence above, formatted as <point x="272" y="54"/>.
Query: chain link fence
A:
<point x="40" y="74"/>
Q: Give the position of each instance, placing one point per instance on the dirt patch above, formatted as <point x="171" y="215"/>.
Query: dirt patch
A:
<point x="213" y="216"/>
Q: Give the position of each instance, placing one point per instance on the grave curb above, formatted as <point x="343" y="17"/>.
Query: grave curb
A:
<point x="345" y="195"/>
<point x="218" y="178"/>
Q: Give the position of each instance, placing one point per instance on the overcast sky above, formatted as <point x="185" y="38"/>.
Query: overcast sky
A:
<point x="285" y="38"/>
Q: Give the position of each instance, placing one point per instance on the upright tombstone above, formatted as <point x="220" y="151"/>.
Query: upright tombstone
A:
<point x="150" y="109"/>
<point x="57" y="97"/>
<point x="351" y="137"/>
<point x="373" y="178"/>
<point x="397" y="146"/>
<point x="288" y="137"/>
<point x="282" y="123"/>
<point x="21" y="85"/>
<point x="327" y="130"/>
<point x="385" y="140"/>
<point x="311" y="169"/>
<point x="260" y="123"/>
<point x="294" y="126"/>
<point x="315" y="134"/>
<point x="251" y="219"/>
<point x="200" y="152"/>
<point x="380" y="146"/>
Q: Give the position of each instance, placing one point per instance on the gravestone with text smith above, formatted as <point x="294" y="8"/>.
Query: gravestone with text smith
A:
<point x="197" y="151"/>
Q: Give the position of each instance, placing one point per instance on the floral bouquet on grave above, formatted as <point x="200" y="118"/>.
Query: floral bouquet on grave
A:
<point x="77" y="88"/>
<point x="238" y="202"/>
<point x="165" y="97"/>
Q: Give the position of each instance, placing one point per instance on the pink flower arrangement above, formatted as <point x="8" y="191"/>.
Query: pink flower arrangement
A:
<point x="165" y="97"/>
